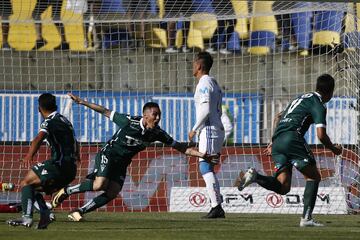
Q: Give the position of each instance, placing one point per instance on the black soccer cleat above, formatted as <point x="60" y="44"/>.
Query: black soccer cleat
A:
<point x="23" y="221"/>
<point x="216" y="212"/>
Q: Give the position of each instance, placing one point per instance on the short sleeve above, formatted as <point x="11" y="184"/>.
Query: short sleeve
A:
<point x="119" y="119"/>
<point x="318" y="114"/>
<point x="45" y="126"/>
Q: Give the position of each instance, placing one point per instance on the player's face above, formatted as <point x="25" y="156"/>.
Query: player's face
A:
<point x="152" y="117"/>
<point x="196" y="67"/>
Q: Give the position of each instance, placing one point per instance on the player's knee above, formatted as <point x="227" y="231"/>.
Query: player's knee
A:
<point x="99" y="185"/>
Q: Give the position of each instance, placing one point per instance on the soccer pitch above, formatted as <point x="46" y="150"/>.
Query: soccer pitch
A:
<point x="139" y="226"/>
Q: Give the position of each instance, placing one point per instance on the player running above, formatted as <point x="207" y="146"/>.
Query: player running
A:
<point x="289" y="148"/>
<point x="51" y="175"/>
<point x="208" y="101"/>
<point x="134" y="135"/>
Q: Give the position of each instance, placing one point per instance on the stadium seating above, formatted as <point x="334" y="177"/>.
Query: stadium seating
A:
<point x="74" y="28"/>
<point x="263" y="29"/>
<point x="301" y="25"/>
<point x="202" y="27"/>
<point x="241" y="9"/>
<point x="351" y="33"/>
<point x="49" y="31"/>
<point x="22" y="33"/>
<point x="327" y="28"/>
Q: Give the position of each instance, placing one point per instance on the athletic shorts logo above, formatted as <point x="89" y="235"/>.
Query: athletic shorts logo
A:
<point x="197" y="199"/>
<point x="274" y="200"/>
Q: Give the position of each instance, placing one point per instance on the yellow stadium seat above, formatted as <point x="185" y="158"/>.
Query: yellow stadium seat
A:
<point x="266" y="23"/>
<point x="330" y="38"/>
<point x="263" y="23"/>
<point x="241" y="9"/>
<point x="156" y="37"/>
<point x="357" y="6"/>
<point x="202" y="26"/>
<point x="74" y="28"/>
<point x="1" y="34"/>
<point x="49" y="31"/>
<point x="22" y="33"/>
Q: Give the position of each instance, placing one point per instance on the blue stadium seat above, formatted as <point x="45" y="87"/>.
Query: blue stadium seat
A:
<point x="327" y="28"/>
<point x="301" y="25"/>
<point x="263" y="29"/>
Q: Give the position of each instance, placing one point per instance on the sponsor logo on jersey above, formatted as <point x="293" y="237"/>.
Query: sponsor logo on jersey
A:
<point x="44" y="172"/>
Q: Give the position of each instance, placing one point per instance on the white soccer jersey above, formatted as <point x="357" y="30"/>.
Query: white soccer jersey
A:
<point x="208" y="91"/>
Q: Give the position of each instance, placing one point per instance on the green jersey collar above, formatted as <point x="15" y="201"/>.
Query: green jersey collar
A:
<point x="51" y="115"/>
<point x="142" y="126"/>
<point x="318" y="95"/>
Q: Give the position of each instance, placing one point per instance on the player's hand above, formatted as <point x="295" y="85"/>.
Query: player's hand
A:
<point x="191" y="135"/>
<point x="212" y="158"/>
<point x="26" y="161"/>
<point x="337" y="149"/>
<point x="268" y="149"/>
<point x="76" y="99"/>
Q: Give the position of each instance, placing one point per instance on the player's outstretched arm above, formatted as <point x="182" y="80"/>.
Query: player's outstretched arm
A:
<point x="97" y="108"/>
<point x="187" y="149"/>
<point x="324" y="139"/>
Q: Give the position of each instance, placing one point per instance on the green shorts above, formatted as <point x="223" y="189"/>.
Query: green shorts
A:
<point x="290" y="149"/>
<point x="111" y="168"/>
<point x="52" y="176"/>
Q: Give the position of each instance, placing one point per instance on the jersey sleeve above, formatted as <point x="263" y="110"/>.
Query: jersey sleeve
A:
<point x="165" y="138"/>
<point x="318" y="114"/>
<point x="203" y="93"/>
<point x="119" y="119"/>
<point x="45" y="126"/>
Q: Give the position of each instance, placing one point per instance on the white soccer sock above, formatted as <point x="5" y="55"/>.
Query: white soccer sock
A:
<point x="213" y="188"/>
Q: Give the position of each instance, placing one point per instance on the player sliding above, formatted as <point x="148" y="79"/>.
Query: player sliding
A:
<point x="134" y="135"/>
<point x="51" y="175"/>
<point x="288" y="147"/>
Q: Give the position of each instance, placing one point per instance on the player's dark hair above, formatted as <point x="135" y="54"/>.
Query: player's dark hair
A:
<point x="206" y="61"/>
<point x="325" y="83"/>
<point x="150" y="105"/>
<point x="47" y="101"/>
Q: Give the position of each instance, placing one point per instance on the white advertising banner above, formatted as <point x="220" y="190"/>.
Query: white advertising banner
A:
<point x="330" y="200"/>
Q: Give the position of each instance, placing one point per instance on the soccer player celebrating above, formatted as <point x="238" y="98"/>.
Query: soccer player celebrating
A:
<point x="51" y="175"/>
<point x="289" y="148"/>
<point x="208" y="126"/>
<point x="134" y="135"/>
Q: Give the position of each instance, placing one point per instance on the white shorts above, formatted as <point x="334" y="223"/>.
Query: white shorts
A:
<point x="210" y="141"/>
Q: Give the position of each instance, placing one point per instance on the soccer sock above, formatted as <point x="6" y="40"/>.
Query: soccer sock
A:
<point x="310" y="193"/>
<point x="80" y="188"/>
<point x="269" y="183"/>
<point x="27" y="200"/>
<point x="213" y="188"/>
<point x="95" y="203"/>
<point x="41" y="202"/>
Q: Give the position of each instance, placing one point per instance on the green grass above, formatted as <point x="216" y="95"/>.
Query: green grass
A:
<point x="173" y="226"/>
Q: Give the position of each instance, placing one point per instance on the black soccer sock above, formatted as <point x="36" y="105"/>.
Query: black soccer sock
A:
<point x="269" y="183"/>
<point x="40" y="200"/>
<point x="310" y="193"/>
<point x="85" y="186"/>
<point x="27" y="200"/>
<point x="95" y="203"/>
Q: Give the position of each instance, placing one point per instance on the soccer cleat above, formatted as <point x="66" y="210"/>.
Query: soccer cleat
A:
<point x="216" y="212"/>
<point x="75" y="215"/>
<point x="248" y="178"/>
<point x="59" y="197"/>
<point x="45" y="220"/>
<point x="310" y="223"/>
<point x="23" y="221"/>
